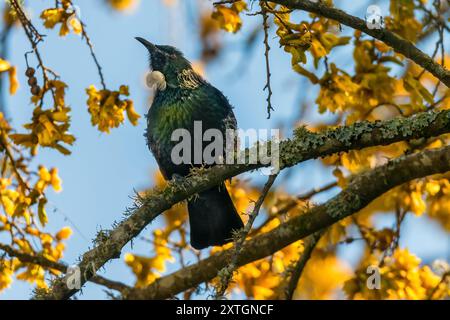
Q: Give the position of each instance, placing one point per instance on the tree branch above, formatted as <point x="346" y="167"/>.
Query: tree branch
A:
<point x="46" y="263"/>
<point x="304" y="146"/>
<point x="268" y="85"/>
<point x="361" y="191"/>
<point x="38" y="260"/>
<point x="397" y="43"/>
<point x="110" y="284"/>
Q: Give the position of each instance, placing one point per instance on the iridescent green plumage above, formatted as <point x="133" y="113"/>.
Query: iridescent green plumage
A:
<point x="188" y="98"/>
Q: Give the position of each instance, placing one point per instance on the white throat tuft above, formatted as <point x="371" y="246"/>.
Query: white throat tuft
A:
<point x="156" y="79"/>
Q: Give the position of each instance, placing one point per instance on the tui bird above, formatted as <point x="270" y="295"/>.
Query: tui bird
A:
<point x="182" y="97"/>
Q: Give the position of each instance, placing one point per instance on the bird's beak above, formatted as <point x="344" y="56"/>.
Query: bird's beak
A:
<point x="150" y="46"/>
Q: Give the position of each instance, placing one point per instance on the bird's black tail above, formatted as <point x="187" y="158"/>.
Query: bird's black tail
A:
<point x="212" y="217"/>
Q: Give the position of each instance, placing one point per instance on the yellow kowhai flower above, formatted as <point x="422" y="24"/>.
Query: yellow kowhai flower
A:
<point x="65" y="16"/>
<point x="32" y="231"/>
<point x="143" y="268"/>
<point x="337" y="91"/>
<point x="6" y="273"/>
<point x="14" y="203"/>
<point x="403" y="21"/>
<point x="63" y="234"/>
<point x="24" y="245"/>
<point x="439" y="209"/>
<point x="107" y="108"/>
<point x="147" y="269"/>
<point x="47" y="178"/>
<point x="243" y="196"/>
<point x="228" y="17"/>
<point x="122" y="5"/>
<point x="42" y="213"/>
<point x="33" y="274"/>
<point x="51" y="17"/>
<point x="432" y="187"/>
<point x="46" y="239"/>
<point x="53" y="253"/>
<point x="402" y="277"/>
<point x="9" y="16"/>
<point x="5" y="66"/>
<point x="48" y="129"/>
<point x="313" y="285"/>
<point x="132" y="115"/>
<point x="58" y="90"/>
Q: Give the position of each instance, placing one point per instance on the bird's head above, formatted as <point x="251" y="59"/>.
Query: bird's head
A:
<point x="166" y="59"/>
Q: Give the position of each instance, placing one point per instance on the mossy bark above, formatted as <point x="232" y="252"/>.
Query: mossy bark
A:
<point x="304" y="146"/>
<point x="360" y="192"/>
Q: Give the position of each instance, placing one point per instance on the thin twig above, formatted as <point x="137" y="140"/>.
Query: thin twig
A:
<point x="34" y="38"/>
<point x="94" y="56"/>
<point x="226" y="274"/>
<point x="305" y="196"/>
<point x="309" y="244"/>
<point x="316" y="191"/>
<point x="110" y="284"/>
<point x="62" y="267"/>
<point x="216" y="3"/>
<point x="268" y="85"/>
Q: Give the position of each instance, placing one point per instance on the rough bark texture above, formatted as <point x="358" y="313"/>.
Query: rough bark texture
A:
<point x="396" y="42"/>
<point x="49" y="264"/>
<point x="360" y="192"/>
<point x="39" y="260"/>
<point x="304" y="146"/>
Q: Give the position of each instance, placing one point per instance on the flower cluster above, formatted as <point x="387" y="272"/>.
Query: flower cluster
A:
<point x="228" y="16"/>
<point x="50" y="127"/>
<point x="402" y="277"/>
<point x="107" y="108"/>
<point x="65" y="15"/>
<point x="6" y="67"/>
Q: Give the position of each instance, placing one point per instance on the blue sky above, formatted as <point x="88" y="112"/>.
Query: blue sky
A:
<point x="104" y="170"/>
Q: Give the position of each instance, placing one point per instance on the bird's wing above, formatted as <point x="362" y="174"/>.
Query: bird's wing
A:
<point x="213" y="109"/>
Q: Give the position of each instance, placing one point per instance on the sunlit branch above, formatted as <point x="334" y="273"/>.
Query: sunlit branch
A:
<point x="49" y="264"/>
<point x="304" y="146"/>
<point x="363" y="189"/>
